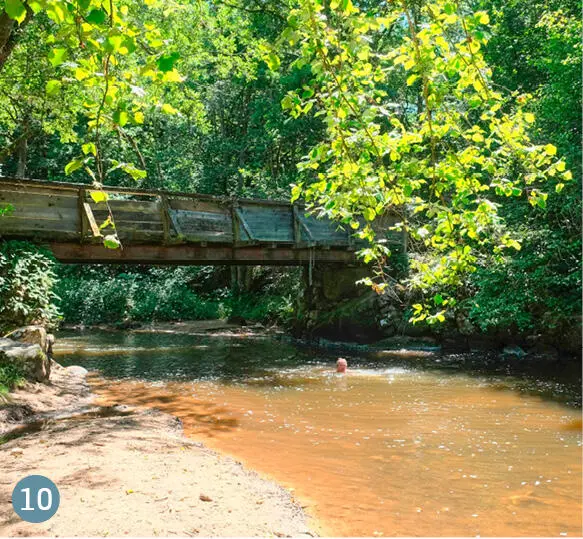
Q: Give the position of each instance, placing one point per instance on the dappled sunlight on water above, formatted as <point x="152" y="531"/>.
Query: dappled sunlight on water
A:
<point x="385" y="450"/>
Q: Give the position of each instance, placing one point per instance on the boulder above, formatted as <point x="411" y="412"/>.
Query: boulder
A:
<point x="76" y="370"/>
<point x="31" y="335"/>
<point x="513" y="351"/>
<point x="29" y="358"/>
<point x="31" y="348"/>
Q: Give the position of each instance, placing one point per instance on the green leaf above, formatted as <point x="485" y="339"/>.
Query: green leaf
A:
<point x="169" y="109"/>
<point x="89" y="147"/>
<point x="559" y="187"/>
<point x="120" y="117"/>
<point x="273" y="62"/>
<point x="296" y="192"/>
<point x="411" y="79"/>
<point x="369" y="214"/>
<point x="96" y="16"/>
<point x="57" y="56"/>
<point x="166" y="61"/>
<point x="139" y="117"/>
<point x="53" y="87"/>
<point x="134" y="172"/>
<point x="106" y="223"/>
<point x="114" y="43"/>
<point x="98" y="196"/>
<point x="483" y="17"/>
<point x="438" y="299"/>
<point x="15" y="10"/>
<point x="111" y="241"/>
<point x="81" y="74"/>
<point x="73" y="165"/>
<point x="551" y="149"/>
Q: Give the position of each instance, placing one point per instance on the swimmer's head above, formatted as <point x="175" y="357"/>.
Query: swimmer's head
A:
<point x="341" y="365"/>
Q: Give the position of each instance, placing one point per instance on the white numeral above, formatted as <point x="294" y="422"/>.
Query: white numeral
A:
<point x="39" y="499"/>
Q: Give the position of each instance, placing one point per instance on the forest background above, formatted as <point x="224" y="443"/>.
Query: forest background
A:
<point x="199" y="98"/>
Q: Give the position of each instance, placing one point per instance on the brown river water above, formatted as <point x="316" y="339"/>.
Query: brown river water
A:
<point x="405" y="444"/>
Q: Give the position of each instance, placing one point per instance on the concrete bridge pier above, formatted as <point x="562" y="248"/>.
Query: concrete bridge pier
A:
<point x="334" y="307"/>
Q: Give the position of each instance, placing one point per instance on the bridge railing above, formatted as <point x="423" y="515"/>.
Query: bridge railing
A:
<point x="58" y="211"/>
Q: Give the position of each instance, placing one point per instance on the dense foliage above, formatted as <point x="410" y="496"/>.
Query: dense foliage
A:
<point x="465" y="118"/>
<point x="27" y="278"/>
<point x="102" y="295"/>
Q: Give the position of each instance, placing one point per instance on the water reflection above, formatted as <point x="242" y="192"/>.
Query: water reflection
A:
<point x="397" y="447"/>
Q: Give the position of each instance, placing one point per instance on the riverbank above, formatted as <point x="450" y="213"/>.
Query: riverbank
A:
<point x="133" y="472"/>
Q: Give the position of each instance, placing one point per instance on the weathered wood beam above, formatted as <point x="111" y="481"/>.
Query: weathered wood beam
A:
<point x="165" y="215"/>
<point x="184" y="254"/>
<point x="82" y="215"/>
<point x="91" y="220"/>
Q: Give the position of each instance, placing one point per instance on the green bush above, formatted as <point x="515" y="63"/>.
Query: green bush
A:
<point x="27" y="280"/>
<point x="110" y="295"/>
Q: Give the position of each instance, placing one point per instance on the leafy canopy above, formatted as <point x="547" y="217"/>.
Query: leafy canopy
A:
<point x="441" y="164"/>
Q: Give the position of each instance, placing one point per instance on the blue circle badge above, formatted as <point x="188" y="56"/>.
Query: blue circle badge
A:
<point x="35" y="498"/>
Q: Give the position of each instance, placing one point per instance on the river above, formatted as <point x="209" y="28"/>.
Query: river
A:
<point x="406" y="444"/>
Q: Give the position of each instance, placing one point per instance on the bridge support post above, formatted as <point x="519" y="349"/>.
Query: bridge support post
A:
<point x="334" y="307"/>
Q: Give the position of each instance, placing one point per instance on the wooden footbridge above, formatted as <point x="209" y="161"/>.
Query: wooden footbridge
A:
<point x="158" y="227"/>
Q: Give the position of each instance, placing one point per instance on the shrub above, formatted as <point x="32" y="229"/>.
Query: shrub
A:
<point x="27" y="280"/>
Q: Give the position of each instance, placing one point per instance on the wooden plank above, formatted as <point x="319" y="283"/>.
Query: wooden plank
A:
<point x="44" y="188"/>
<point x="44" y="214"/>
<point x="202" y="226"/>
<point x="91" y="220"/>
<point x="195" y="254"/>
<point x="139" y="217"/>
<point x="149" y="207"/>
<point x="41" y="200"/>
<point x="166" y="223"/>
<point x="189" y="204"/>
<point x="74" y="187"/>
<point x="82" y="217"/>
<point x="133" y="225"/>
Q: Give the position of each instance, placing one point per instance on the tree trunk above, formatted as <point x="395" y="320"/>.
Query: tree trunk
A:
<point x="10" y="32"/>
<point x="21" y="153"/>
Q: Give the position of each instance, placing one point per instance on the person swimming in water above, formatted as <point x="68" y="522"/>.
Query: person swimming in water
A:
<point x="341" y="365"/>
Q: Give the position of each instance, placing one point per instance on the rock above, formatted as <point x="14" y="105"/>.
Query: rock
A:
<point x="31" y="335"/>
<point x="514" y="351"/>
<point x="205" y="498"/>
<point x="50" y="344"/>
<point x="29" y="358"/>
<point x="40" y="368"/>
<point x="237" y="320"/>
<point x="77" y="370"/>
